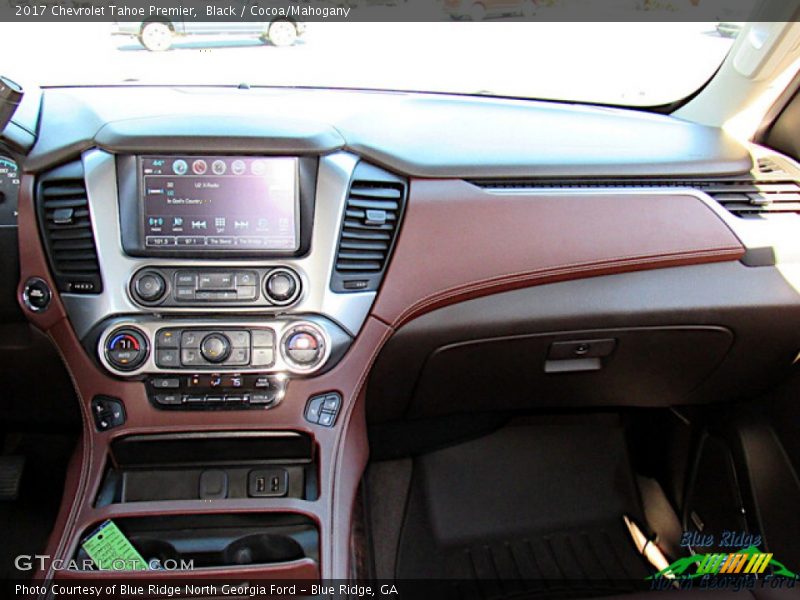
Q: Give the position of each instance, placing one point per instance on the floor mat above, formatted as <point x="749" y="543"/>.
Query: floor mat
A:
<point x="27" y="521"/>
<point x="534" y="509"/>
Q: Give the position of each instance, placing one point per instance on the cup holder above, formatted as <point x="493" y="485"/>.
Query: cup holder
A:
<point x="219" y="540"/>
<point x="156" y="551"/>
<point x="262" y="548"/>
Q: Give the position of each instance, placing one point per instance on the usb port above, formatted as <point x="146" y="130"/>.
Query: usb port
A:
<point x="268" y="483"/>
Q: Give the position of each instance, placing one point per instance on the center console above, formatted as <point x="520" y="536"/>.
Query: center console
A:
<point x="214" y="311"/>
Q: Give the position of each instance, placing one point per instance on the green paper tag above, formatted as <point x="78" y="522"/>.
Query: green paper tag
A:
<point x="112" y="551"/>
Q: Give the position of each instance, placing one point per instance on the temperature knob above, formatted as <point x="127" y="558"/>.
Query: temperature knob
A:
<point x="303" y="347"/>
<point x="126" y="349"/>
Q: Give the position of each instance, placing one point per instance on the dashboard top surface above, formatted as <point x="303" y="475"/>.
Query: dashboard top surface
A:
<point x="420" y="135"/>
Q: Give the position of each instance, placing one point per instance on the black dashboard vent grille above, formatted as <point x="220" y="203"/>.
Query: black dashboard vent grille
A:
<point x="756" y="198"/>
<point x="63" y="209"/>
<point x="745" y="196"/>
<point x="769" y="166"/>
<point x="372" y="218"/>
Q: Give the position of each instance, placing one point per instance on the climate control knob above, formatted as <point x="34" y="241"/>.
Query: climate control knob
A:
<point x="282" y="286"/>
<point x="148" y="287"/>
<point x="303" y="347"/>
<point x="126" y="349"/>
<point x="215" y="347"/>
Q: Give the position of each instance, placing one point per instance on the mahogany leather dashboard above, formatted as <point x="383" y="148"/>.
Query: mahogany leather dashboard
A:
<point x="459" y="242"/>
<point x="469" y="264"/>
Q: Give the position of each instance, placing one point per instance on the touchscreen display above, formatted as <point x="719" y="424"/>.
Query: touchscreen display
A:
<point x="238" y="203"/>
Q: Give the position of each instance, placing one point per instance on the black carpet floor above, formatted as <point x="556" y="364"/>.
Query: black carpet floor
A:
<point x="26" y="522"/>
<point x="532" y="510"/>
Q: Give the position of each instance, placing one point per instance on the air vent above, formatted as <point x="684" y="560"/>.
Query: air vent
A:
<point x="371" y="219"/>
<point x="769" y="166"/>
<point x="743" y="196"/>
<point x="756" y="198"/>
<point x="67" y="230"/>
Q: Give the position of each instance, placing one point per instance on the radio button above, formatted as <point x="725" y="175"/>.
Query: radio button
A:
<point x="246" y="278"/>
<point x="215" y="281"/>
<point x="184" y="293"/>
<point x="186" y="278"/>
<point x="247" y="292"/>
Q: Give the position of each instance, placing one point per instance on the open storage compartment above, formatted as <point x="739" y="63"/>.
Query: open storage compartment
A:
<point x="210" y="466"/>
<point x="219" y="540"/>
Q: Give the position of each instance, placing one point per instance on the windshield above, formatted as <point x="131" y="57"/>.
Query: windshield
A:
<point x="637" y="64"/>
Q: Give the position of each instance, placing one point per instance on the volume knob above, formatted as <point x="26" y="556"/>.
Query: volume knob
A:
<point x="149" y="286"/>
<point x="282" y="286"/>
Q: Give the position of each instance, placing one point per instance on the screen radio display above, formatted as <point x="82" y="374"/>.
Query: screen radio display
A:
<point x="220" y="203"/>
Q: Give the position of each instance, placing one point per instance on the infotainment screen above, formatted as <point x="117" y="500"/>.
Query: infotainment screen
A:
<point x="236" y="203"/>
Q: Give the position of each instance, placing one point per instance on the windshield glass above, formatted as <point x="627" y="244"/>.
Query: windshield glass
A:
<point x="637" y="64"/>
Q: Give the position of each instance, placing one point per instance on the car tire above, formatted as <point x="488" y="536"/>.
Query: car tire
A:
<point x="477" y="12"/>
<point x="156" y="36"/>
<point x="282" y="33"/>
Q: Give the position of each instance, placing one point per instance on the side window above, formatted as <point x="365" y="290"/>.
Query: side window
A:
<point x="784" y="134"/>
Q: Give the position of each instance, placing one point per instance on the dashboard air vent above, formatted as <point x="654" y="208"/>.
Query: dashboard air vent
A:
<point x="756" y="198"/>
<point x="372" y="217"/>
<point x="770" y="166"/>
<point x="743" y="196"/>
<point x="63" y="210"/>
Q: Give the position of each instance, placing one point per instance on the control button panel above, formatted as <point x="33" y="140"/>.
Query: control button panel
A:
<point x="175" y="287"/>
<point x="323" y="409"/>
<point x="205" y="348"/>
<point x="107" y="412"/>
<point x="216" y="391"/>
<point x="155" y="345"/>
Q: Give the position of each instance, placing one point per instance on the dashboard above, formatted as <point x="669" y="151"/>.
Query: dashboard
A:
<point x="257" y="241"/>
<point x="306" y="263"/>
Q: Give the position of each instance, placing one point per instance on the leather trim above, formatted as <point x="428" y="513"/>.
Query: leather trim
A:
<point x="459" y="241"/>
<point x="85" y="472"/>
<point x="537" y="247"/>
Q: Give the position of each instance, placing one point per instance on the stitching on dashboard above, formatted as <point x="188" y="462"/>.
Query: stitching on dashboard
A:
<point x="563" y="269"/>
